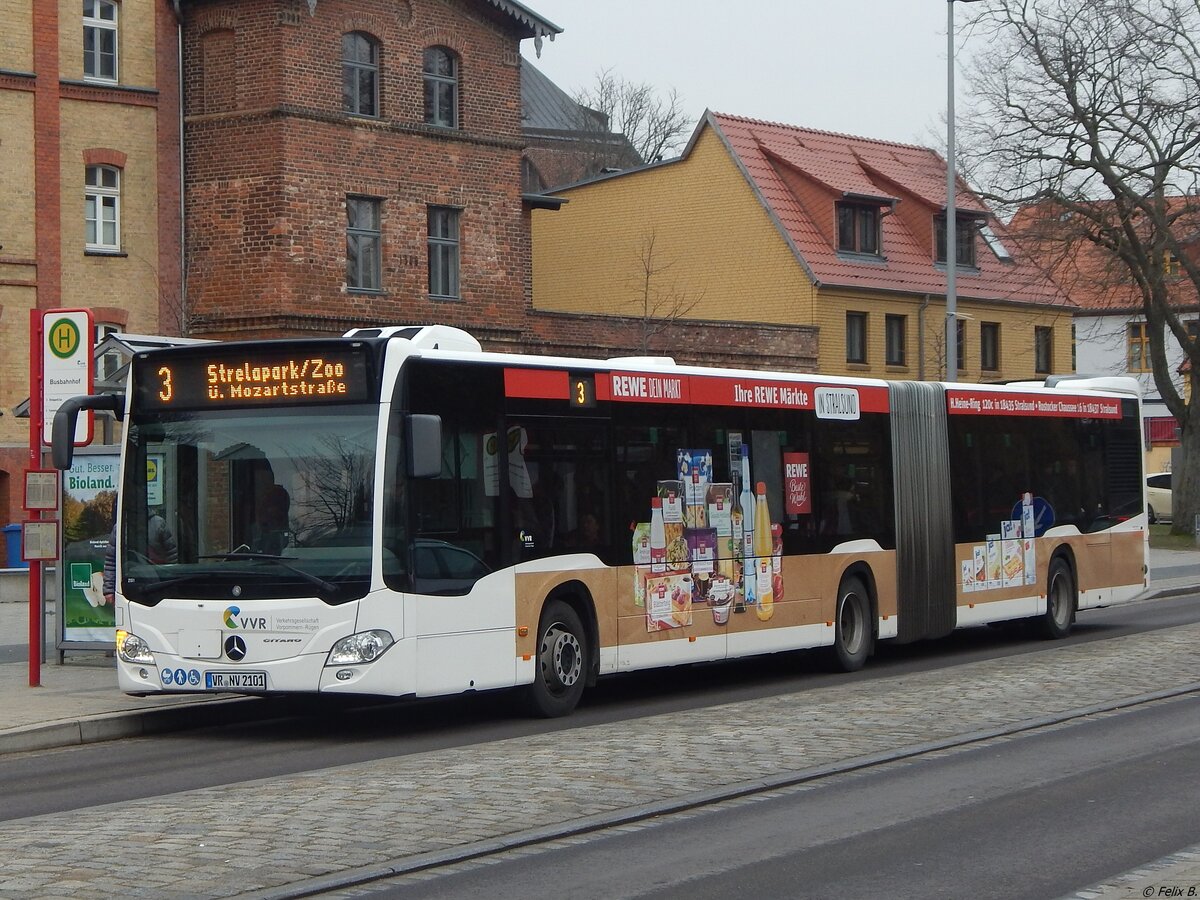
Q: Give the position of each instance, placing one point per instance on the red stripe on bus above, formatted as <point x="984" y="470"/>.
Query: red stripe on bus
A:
<point x="713" y="390"/>
<point x="1005" y="403"/>
<point x="536" y="384"/>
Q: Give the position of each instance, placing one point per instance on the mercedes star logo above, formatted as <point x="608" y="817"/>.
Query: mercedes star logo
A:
<point x="235" y="648"/>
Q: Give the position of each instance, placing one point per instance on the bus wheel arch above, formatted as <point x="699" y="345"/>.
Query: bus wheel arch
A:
<point x="855" y="619"/>
<point x="576" y="595"/>
<point x="1062" y="596"/>
<point x="564" y="656"/>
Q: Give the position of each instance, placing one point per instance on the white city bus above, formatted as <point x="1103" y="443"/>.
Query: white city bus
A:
<point x="398" y="513"/>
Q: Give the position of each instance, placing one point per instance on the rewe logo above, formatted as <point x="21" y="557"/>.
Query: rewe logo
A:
<point x="234" y="619"/>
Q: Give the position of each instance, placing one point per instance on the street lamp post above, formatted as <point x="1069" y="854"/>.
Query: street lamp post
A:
<point x="951" y="211"/>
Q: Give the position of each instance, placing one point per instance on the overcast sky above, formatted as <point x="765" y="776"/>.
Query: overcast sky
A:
<point x="873" y="68"/>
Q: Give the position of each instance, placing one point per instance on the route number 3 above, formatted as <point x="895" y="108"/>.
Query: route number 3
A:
<point x="167" y="392"/>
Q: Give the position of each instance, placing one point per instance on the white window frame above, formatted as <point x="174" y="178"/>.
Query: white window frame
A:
<point x="108" y="364"/>
<point x="97" y="197"/>
<point x="98" y="23"/>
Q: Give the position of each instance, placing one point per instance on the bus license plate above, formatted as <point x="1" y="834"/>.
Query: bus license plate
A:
<point x="235" y="681"/>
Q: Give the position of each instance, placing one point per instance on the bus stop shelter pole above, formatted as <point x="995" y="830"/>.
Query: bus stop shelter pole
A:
<point x="35" y="462"/>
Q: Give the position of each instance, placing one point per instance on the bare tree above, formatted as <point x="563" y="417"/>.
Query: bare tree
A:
<point x="659" y="303"/>
<point x="655" y="125"/>
<point x="1088" y="108"/>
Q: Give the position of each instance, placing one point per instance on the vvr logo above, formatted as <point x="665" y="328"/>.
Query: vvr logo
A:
<point x="234" y="619"/>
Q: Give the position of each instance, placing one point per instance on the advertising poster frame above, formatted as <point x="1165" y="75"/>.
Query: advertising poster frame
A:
<point x="87" y="505"/>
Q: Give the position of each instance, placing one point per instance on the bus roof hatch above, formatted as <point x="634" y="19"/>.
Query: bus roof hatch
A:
<point x="425" y="337"/>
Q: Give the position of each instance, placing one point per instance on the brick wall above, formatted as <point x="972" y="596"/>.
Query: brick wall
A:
<point x="272" y="159"/>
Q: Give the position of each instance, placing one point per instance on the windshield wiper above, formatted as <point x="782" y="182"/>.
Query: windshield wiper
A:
<point x="315" y="580"/>
<point x="153" y="588"/>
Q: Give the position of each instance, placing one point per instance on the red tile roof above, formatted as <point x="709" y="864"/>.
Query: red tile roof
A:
<point x="1091" y="276"/>
<point x="799" y="173"/>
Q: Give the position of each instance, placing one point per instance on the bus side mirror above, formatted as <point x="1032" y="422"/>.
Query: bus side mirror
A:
<point x="423" y="438"/>
<point x="62" y="435"/>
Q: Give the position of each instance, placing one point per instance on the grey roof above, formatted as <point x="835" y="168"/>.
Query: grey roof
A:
<point x="547" y="107"/>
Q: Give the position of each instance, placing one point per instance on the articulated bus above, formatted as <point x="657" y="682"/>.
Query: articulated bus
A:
<point x="398" y="513"/>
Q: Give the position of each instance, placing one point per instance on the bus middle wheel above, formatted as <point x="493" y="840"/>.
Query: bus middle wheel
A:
<point x="562" y="660"/>
<point x="853" y="636"/>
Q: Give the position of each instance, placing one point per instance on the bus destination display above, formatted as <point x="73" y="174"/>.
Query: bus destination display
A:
<point x="246" y="378"/>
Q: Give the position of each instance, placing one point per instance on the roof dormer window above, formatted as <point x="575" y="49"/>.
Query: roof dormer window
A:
<point x="964" y="239"/>
<point x="858" y="228"/>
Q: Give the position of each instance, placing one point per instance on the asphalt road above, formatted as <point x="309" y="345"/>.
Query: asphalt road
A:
<point x="304" y="737"/>
<point x="1041" y="814"/>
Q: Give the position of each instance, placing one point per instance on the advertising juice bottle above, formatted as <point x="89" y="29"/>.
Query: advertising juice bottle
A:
<point x="737" y="519"/>
<point x="746" y="551"/>
<point x="764" y="552"/>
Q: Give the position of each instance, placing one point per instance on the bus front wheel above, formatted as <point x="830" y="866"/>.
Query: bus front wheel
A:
<point x="1060" y="601"/>
<point x="852" y="626"/>
<point x="562" y="660"/>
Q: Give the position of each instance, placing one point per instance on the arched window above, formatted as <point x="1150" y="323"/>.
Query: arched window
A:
<point x="102" y="208"/>
<point x="441" y="87"/>
<point x="360" y="74"/>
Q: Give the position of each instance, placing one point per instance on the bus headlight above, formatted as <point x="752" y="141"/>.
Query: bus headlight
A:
<point x="133" y="649"/>
<point x="364" y="647"/>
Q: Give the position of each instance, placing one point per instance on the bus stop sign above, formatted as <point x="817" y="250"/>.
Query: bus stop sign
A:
<point x="67" y="367"/>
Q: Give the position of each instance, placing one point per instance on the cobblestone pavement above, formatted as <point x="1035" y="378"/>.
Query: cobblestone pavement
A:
<point x="267" y="834"/>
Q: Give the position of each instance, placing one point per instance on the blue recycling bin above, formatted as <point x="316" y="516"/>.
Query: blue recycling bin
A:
<point x="12" y="547"/>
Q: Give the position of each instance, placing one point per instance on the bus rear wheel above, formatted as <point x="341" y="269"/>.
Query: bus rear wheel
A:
<point x="562" y="660"/>
<point x="1061" y="600"/>
<point x="852" y="626"/>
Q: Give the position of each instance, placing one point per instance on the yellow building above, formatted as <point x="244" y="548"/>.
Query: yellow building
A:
<point x="89" y="172"/>
<point x="765" y="223"/>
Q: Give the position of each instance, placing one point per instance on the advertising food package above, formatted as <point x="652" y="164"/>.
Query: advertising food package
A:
<point x="695" y="471"/>
<point x="641" y="560"/>
<point x="678" y="557"/>
<point x="671" y="494"/>
<point x="668" y="601"/>
<point x="702" y="549"/>
<point x="993" y="561"/>
<point x="1012" y="563"/>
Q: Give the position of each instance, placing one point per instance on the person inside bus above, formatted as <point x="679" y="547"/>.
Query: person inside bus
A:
<point x="838" y="516"/>
<point x="271" y="532"/>
<point x="587" y="536"/>
<point x="161" y="547"/>
<point x="109" y="581"/>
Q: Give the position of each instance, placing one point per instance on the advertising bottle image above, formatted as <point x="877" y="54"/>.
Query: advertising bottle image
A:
<point x="737" y="518"/>
<point x="658" y="537"/>
<point x="764" y="553"/>
<point x="777" y="562"/>
<point x="746" y="551"/>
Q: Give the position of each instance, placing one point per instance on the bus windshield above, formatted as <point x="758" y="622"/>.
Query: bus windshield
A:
<point x="241" y="503"/>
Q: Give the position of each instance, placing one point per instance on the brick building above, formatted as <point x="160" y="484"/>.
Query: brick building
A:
<point x="90" y="176"/>
<point x="351" y="163"/>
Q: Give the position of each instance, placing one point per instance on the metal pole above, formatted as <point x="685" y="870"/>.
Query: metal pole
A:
<point x="951" y="223"/>
<point x="36" y="607"/>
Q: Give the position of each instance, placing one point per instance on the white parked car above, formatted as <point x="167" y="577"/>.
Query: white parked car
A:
<point x="1158" y="497"/>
